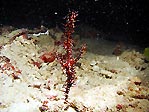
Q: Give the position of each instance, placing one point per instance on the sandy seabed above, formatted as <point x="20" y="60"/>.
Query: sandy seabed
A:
<point x="105" y="82"/>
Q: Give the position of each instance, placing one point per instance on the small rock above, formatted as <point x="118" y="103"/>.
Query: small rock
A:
<point x="107" y="74"/>
<point x="136" y="80"/>
<point x="120" y="92"/>
<point x="36" y="84"/>
<point x="95" y="68"/>
<point x="92" y="63"/>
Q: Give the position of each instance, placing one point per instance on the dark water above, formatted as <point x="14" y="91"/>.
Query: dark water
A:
<point x="125" y="20"/>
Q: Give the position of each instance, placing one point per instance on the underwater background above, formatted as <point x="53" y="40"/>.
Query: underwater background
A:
<point x="74" y="56"/>
<point x="125" y="20"/>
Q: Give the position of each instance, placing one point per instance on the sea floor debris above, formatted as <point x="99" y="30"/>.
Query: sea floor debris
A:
<point x="105" y="82"/>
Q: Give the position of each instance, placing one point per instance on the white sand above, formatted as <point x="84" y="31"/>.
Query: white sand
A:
<point x="103" y="80"/>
